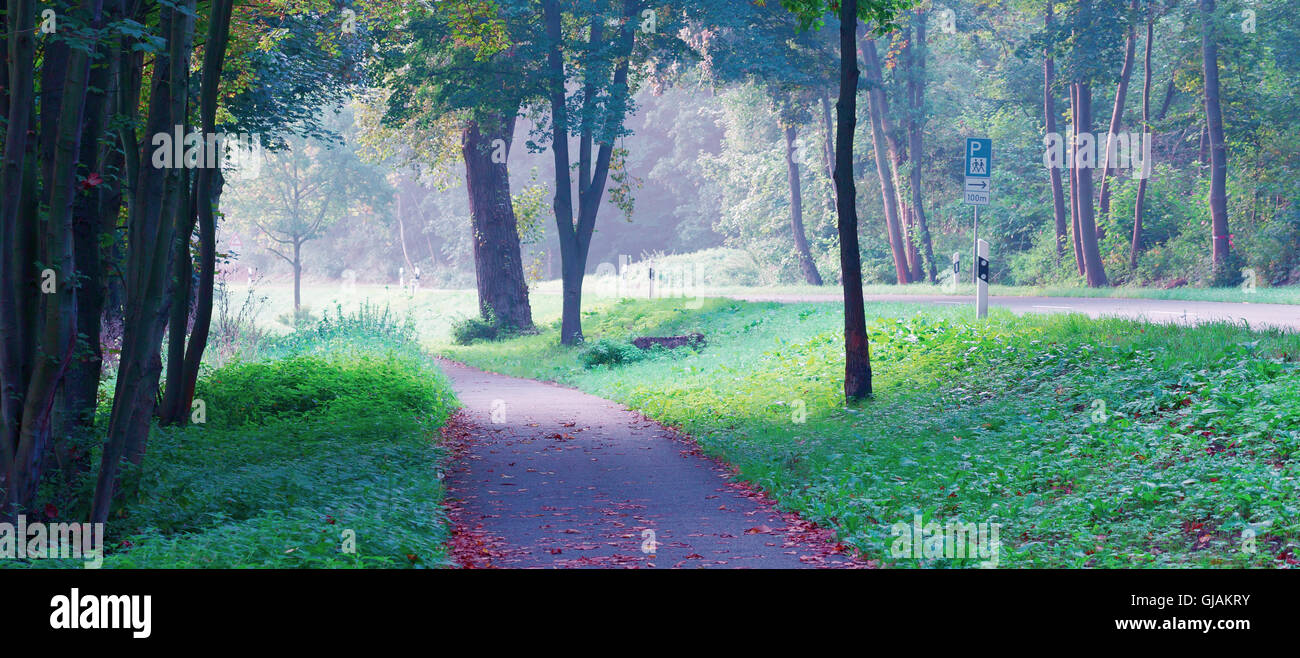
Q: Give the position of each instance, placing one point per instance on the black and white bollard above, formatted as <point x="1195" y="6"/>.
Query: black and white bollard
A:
<point x="982" y="280"/>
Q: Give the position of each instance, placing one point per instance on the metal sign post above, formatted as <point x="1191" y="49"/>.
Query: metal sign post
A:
<point x="979" y="185"/>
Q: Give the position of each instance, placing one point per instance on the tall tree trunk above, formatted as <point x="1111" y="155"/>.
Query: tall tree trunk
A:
<point x="572" y="251"/>
<point x="1049" y="115"/>
<point x="1214" y="128"/>
<point x="207" y="191"/>
<point x="176" y="212"/>
<point x="1075" y="229"/>
<point x="124" y="164"/>
<point x="884" y="169"/>
<point x="57" y="336"/>
<point x="857" y="350"/>
<point x="916" y="81"/>
<point x="179" y="323"/>
<point x="77" y="398"/>
<point x="1117" y="115"/>
<point x="150" y="237"/>
<point x="575" y="240"/>
<point x="40" y="342"/>
<point x="828" y="146"/>
<point x="54" y="73"/>
<point x="900" y="156"/>
<point x="1095" y="271"/>
<point x="17" y="251"/>
<point x="297" y="278"/>
<point x="916" y="266"/>
<point x="806" y="264"/>
<point x="502" y="290"/>
<point x="1139" y="205"/>
<point x="209" y="199"/>
<point x="4" y="70"/>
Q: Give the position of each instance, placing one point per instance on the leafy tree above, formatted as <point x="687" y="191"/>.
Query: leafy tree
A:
<point x="857" y="361"/>
<point x="765" y="46"/>
<point x="599" y="66"/>
<point x="750" y="175"/>
<point x="1214" y="132"/>
<point x="305" y="188"/>
<point x="466" y="69"/>
<point x="287" y="56"/>
<point x="154" y="200"/>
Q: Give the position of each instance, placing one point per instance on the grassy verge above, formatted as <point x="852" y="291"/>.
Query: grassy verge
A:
<point x="436" y="311"/>
<point x="728" y="272"/>
<point x="319" y="454"/>
<point x="433" y="312"/>
<point x="1107" y="443"/>
<point x="1282" y="295"/>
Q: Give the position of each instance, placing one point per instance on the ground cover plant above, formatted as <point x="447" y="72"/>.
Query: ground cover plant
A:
<point x="319" y="453"/>
<point x="1094" y="443"/>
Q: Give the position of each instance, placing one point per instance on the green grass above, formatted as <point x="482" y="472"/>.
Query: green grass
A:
<point x="321" y="455"/>
<point x="1107" y="443"/>
<point x="1281" y="295"/>
<point x="730" y="272"/>
<point x="433" y="312"/>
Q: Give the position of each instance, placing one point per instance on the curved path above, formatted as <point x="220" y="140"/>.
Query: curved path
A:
<point x="547" y="476"/>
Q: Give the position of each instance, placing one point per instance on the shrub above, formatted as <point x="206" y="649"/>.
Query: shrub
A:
<point x="300" y="317"/>
<point x="368" y="320"/>
<point x="300" y="386"/>
<point x="366" y="329"/>
<point x="608" y="352"/>
<point x="297" y="455"/>
<point x="473" y="329"/>
<point x="235" y="333"/>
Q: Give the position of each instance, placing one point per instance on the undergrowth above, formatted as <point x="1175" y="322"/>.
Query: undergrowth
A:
<point x="1094" y="443"/>
<point x="320" y="454"/>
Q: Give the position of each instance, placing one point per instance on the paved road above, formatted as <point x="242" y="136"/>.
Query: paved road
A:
<point x="1155" y="310"/>
<point x="547" y="476"/>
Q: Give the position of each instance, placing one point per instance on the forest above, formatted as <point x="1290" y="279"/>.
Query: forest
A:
<point x="292" y="283"/>
<point x="706" y="158"/>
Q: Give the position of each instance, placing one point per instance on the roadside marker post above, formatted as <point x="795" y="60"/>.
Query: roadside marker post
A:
<point x="982" y="280"/>
<point x="952" y="278"/>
